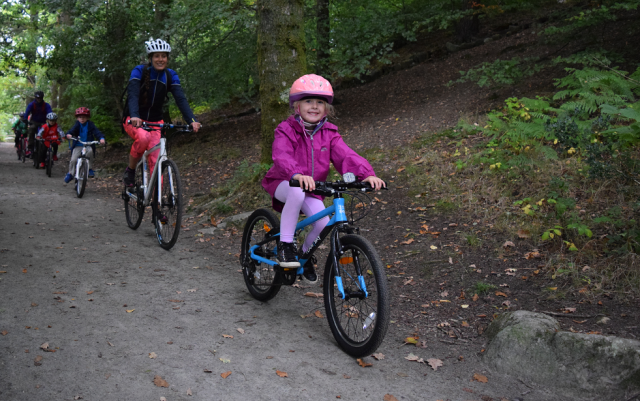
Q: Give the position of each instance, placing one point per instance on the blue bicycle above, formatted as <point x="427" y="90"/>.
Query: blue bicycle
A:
<point x="356" y="297"/>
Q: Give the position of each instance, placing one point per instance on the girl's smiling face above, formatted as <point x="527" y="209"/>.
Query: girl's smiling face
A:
<point x="312" y="110"/>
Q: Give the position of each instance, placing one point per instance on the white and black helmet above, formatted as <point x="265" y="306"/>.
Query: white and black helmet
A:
<point x="158" y="45"/>
<point x="52" y="116"/>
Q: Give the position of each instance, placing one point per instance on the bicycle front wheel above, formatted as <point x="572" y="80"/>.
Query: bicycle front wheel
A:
<point x="262" y="280"/>
<point x="83" y="174"/>
<point x="360" y="321"/>
<point x="49" y="160"/>
<point x="134" y="205"/>
<point x="168" y="209"/>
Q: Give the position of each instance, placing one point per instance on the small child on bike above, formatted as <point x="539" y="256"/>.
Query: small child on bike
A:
<point x="52" y="135"/>
<point x="304" y="146"/>
<point x="86" y="131"/>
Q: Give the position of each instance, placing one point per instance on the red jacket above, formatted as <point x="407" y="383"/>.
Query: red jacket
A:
<point x="50" y="134"/>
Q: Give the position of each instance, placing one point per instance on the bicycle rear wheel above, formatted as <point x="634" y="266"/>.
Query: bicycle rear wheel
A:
<point x="36" y="155"/>
<point x="262" y="280"/>
<point x="358" y="322"/>
<point x="23" y="150"/>
<point x="168" y="210"/>
<point x="83" y="175"/>
<point x="49" y="160"/>
<point x="134" y="205"/>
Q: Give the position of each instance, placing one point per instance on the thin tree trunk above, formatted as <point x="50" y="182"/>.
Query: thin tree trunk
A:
<point x="469" y="26"/>
<point x="281" y="60"/>
<point x="54" y="96"/>
<point x="323" y="31"/>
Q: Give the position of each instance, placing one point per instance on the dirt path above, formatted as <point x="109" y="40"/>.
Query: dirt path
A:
<point x="103" y="297"/>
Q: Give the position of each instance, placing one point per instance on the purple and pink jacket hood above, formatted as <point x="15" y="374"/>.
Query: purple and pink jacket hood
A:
<point x="295" y="152"/>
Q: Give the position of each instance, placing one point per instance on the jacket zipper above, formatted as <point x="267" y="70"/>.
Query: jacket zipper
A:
<point x="154" y="96"/>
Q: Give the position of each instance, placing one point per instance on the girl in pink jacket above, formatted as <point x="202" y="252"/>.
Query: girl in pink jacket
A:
<point x="304" y="146"/>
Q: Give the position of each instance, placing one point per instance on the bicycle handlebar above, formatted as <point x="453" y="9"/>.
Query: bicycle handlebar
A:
<point x="87" y="143"/>
<point x="329" y="187"/>
<point x="164" y="126"/>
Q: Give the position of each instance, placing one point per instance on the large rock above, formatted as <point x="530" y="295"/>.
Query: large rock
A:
<point x="531" y="346"/>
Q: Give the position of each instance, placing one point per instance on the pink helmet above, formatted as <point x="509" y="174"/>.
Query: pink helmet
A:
<point x="310" y="85"/>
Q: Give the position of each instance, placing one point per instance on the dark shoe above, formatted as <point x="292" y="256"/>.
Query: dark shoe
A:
<point x="68" y="178"/>
<point x="310" y="273"/>
<point x="287" y="255"/>
<point x="55" y="158"/>
<point x="91" y="173"/>
<point x="129" y="177"/>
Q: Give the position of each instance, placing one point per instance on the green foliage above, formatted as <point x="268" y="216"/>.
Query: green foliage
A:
<point x="500" y="72"/>
<point x="482" y="288"/>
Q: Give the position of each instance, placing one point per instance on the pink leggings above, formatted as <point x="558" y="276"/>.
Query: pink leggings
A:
<point x="295" y="200"/>
<point x="144" y="140"/>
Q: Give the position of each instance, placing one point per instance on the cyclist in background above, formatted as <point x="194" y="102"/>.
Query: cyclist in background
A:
<point x="148" y="88"/>
<point x="52" y="135"/>
<point x="85" y="130"/>
<point x="19" y="129"/>
<point x="38" y="109"/>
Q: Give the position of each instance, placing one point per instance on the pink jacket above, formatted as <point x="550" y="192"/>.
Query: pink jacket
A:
<point x="295" y="152"/>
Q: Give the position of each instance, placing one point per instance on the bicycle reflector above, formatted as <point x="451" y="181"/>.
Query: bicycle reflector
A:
<point x="266" y="228"/>
<point x="346" y="260"/>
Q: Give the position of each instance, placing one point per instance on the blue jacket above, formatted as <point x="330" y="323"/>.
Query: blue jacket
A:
<point x="38" y="112"/>
<point x="152" y="109"/>
<point x="93" y="133"/>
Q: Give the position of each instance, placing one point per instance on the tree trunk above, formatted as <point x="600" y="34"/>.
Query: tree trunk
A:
<point x="54" y="96"/>
<point x="281" y="60"/>
<point x="469" y="26"/>
<point x="162" y="17"/>
<point x="322" y="38"/>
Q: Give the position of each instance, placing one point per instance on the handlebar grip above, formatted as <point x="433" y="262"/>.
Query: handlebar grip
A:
<point x="294" y="183"/>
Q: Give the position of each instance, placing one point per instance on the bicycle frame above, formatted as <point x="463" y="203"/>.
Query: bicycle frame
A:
<point x="146" y="180"/>
<point x="83" y="156"/>
<point x="337" y="223"/>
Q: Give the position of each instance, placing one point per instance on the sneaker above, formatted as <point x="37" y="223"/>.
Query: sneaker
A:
<point x="287" y="255"/>
<point x="42" y="165"/>
<point x="68" y="178"/>
<point x="55" y="158"/>
<point x="91" y="173"/>
<point x="310" y="273"/>
<point x="129" y="177"/>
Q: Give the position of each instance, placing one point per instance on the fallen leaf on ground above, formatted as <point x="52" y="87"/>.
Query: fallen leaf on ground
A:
<point x="225" y="374"/>
<point x="44" y="346"/>
<point x="192" y="290"/>
<point x="207" y="371"/>
<point x="313" y="294"/>
<point x="363" y="363"/>
<point x="508" y="244"/>
<point x="241" y="331"/>
<point x="524" y="233"/>
<point x="433" y="247"/>
<point x="37" y="360"/>
<point x="411" y="340"/>
<point x="475" y="297"/>
<point x="412" y="357"/>
<point x="153" y="355"/>
<point x="130" y="310"/>
<point x="389" y="397"/>
<point x="480" y="378"/>
<point x="500" y="294"/>
<point x="407" y="242"/>
<point x="227" y="336"/>
<point x="160" y="382"/>
<point x="444" y="294"/>
<point x="434" y="363"/>
<point x="189" y="392"/>
<point x="224" y="360"/>
<point x="318" y="314"/>
<point x="532" y="255"/>
<point x="569" y="310"/>
<point x="379" y="356"/>
<point x="281" y="374"/>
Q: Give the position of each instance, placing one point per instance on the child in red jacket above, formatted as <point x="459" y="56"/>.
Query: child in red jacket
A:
<point x="52" y="135"/>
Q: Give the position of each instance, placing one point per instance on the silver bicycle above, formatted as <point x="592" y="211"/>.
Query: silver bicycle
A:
<point x="82" y="167"/>
<point x="162" y="190"/>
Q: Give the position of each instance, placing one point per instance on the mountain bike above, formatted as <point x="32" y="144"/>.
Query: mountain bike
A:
<point x="162" y="190"/>
<point x="356" y="297"/>
<point x="37" y="145"/>
<point x="48" y="161"/>
<point x="82" y="167"/>
<point x="23" y="147"/>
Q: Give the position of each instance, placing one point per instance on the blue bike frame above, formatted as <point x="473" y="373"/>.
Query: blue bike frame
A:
<point x="339" y="216"/>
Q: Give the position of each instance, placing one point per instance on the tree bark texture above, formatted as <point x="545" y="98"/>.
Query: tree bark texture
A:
<point x="469" y="26"/>
<point x="281" y="60"/>
<point x="323" y="30"/>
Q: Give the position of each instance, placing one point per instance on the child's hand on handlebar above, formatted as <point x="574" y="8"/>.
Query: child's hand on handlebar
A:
<point x="306" y="182"/>
<point x="69" y="136"/>
<point x="102" y="142"/>
<point x="195" y="126"/>
<point x="375" y="182"/>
